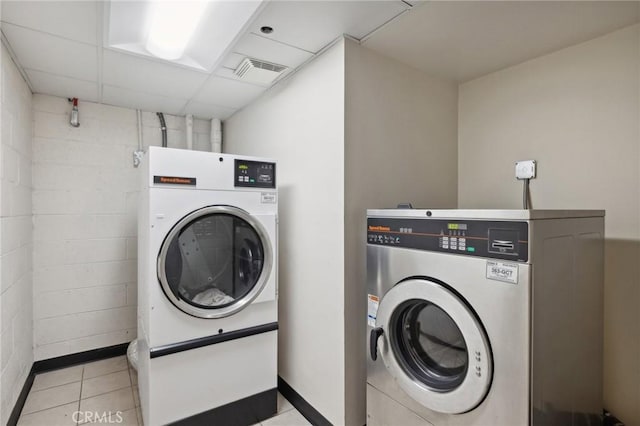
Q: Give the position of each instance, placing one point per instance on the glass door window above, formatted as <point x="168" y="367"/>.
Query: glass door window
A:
<point x="431" y="346"/>
<point x="434" y="345"/>
<point x="214" y="261"/>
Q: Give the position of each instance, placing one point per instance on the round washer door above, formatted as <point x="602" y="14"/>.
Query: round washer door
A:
<point x="215" y="261"/>
<point x="434" y="346"/>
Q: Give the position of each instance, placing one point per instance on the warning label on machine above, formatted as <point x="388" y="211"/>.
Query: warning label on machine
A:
<point x="372" y="309"/>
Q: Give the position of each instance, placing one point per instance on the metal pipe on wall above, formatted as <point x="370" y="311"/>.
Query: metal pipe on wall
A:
<point x="216" y="135"/>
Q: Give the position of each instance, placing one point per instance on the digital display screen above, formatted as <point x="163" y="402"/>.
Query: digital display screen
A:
<point x="457" y="226"/>
<point x="255" y="174"/>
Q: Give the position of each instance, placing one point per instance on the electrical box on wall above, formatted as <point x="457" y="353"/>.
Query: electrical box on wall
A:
<point x="526" y="169"/>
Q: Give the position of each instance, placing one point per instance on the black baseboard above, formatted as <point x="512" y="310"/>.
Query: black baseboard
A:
<point x="57" y="363"/>
<point x="306" y="409"/>
<point x="79" y="358"/>
<point x="244" y="412"/>
<point x="22" y="398"/>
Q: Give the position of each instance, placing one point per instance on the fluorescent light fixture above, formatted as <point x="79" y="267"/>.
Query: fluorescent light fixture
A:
<point x="190" y="33"/>
<point x="172" y="25"/>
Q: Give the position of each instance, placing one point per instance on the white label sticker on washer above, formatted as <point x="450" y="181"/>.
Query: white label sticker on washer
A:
<point x="269" y="198"/>
<point x="501" y="271"/>
<point x="372" y="309"/>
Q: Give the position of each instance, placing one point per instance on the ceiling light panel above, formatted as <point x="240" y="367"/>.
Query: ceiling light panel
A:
<point x="130" y="27"/>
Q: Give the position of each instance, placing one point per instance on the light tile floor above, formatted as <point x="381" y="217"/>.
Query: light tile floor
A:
<point x="106" y="386"/>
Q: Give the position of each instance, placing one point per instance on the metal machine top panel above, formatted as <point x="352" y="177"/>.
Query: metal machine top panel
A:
<point x="485" y="214"/>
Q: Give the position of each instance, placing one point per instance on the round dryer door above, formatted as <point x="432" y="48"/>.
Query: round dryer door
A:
<point x="434" y="346"/>
<point x="215" y="261"/>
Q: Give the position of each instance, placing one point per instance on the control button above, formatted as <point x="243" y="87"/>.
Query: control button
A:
<point x="239" y="178"/>
<point x="445" y="246"/>
<point x="454" y="240"/>
<point x="445" y="240"/>
<point x="454" y="247"/>
<point x="462" y="240"/>
<point x="463" y="248"/>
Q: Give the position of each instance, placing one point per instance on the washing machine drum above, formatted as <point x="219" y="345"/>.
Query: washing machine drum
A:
<point x="434" y="346"/>
<point x="215" y="261"/>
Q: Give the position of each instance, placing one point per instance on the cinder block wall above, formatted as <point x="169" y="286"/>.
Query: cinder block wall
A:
<point x="16" y="334"/>
<point x="85" y="221"/>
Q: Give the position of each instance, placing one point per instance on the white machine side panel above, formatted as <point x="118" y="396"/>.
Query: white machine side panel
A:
<point x="194" y="381"/>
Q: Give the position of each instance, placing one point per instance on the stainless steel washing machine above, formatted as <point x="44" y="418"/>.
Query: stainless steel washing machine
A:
<point x="484" y="317"/>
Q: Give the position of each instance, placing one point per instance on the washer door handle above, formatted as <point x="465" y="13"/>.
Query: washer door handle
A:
<point x="373" y="342"/>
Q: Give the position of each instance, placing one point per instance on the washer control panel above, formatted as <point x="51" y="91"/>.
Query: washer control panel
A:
<point x="254" y="174"/>
<point x="483" y="238"/>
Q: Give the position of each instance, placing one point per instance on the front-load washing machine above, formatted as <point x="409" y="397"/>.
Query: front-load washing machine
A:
<point x="484" y="317"/>
<point x="207" y="291"/>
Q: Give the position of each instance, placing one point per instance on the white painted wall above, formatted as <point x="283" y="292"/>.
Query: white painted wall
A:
<point x="85" y="221"/>
<point x="351" y="130"/>
<point x="577" y="112"/>
<point x="16" y="327"/>
<point x="300" y="122"/>
<point x="401" y="146"/>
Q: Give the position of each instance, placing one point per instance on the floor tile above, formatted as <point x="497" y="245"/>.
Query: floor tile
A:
<point x="52" y="397"/>
<point x="288" y="418"/>
<point x="58" y="416"/>
<point x="106" y="366"/>
<point x="122" y="418"/>
<point x="283" y="404"/>
<point x="112" y="402"/>
<point x="103" y="384"/>
<point x="57" y="378"/>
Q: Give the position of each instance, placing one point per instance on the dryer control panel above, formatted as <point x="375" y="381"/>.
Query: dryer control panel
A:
<point x="254" y="174"/>
<point x="482" y="238"/>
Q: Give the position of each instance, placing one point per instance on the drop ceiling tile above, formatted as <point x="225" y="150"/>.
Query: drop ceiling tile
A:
<point x="311" y="25"/>
<point x="232" y="60"/>
<point x="228" y="93"/>
<point x="208" y="111"/>
<point x="138" y="100"/>
<point x="65" y="87"/>
<point x="75" y="20"/>
<point x="271" y="51"/>
<point x="52" y="54"/>
<point x="149" y="76"/>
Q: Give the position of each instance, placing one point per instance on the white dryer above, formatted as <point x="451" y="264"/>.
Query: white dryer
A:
<point x="207" y="295"/>
<point x="484" y="317"/>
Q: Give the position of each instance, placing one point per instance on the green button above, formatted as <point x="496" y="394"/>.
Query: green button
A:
<point x="471" y="249"/>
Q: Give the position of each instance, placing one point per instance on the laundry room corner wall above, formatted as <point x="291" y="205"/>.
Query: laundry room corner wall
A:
<point x="16" y="305"/>
<point x="85" y="197"/>
<point x="400" y="146"/>
<point x="577" y="112"/>
<point x="300" y="123"/>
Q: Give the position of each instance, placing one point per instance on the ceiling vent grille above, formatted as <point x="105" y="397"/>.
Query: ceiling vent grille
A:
<point x="258" y="72"/>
